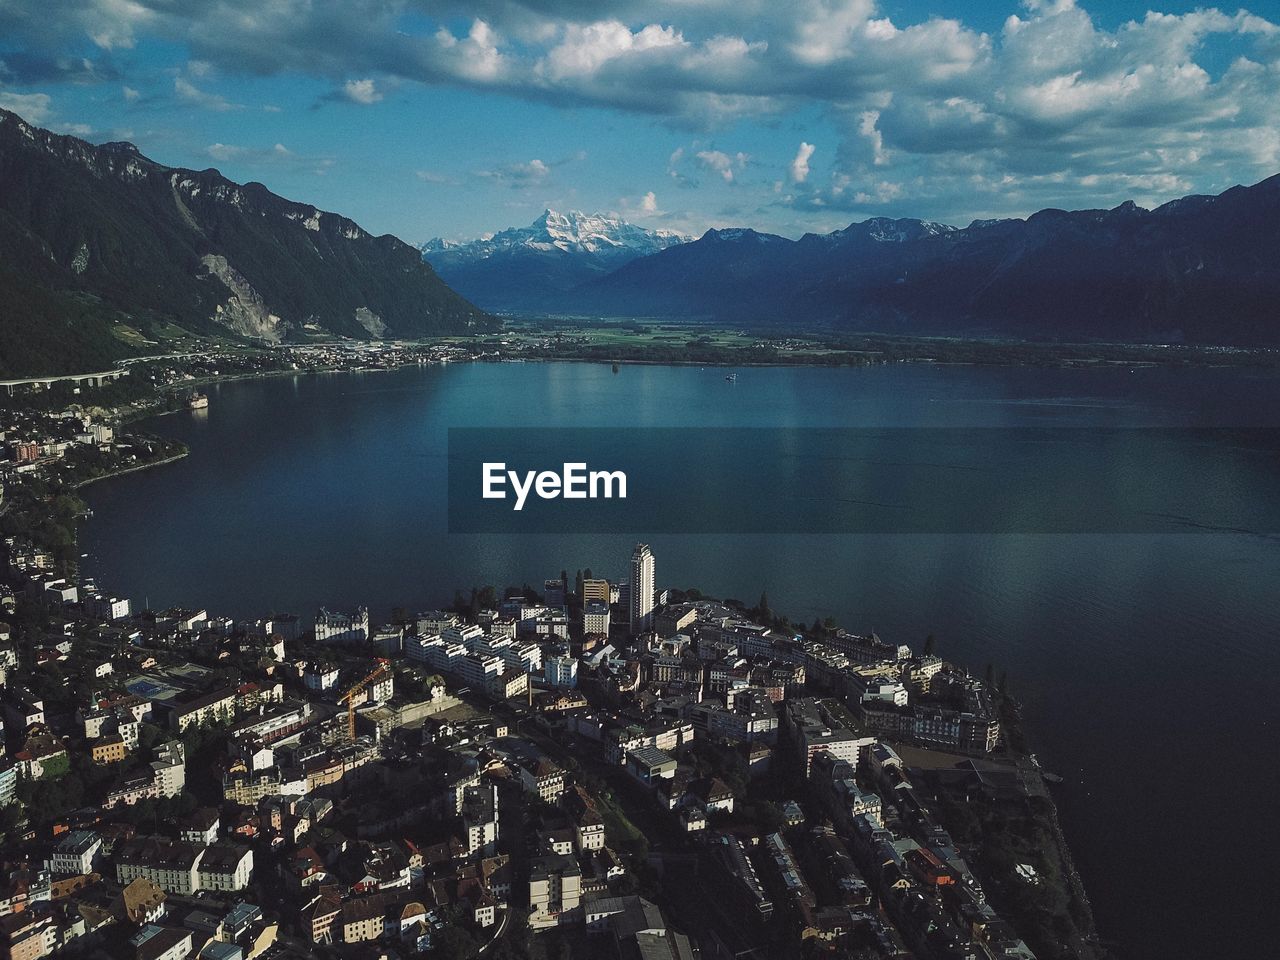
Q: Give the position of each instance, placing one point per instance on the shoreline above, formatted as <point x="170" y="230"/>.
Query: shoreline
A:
<point x="1013" y="721"/>
<point x="159" y="408"/>
<point x="1199" y="356"/>
<point x="1073" y="878"/>
<point x="1070" y="872"/>
<point x="136" y="468"/>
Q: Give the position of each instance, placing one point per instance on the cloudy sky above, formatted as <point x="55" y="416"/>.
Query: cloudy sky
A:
<point x="429" y="117"/>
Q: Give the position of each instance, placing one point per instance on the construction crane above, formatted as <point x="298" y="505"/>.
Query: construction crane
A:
<point x="349" y="698"/>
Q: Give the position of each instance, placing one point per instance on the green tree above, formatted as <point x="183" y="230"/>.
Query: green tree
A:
<point x="454" y="943"/>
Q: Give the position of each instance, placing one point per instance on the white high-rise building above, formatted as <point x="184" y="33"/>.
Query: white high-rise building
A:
<point x="595" y="617"/>
<point x="641" y="589"/>
<point x="561" y="671"/>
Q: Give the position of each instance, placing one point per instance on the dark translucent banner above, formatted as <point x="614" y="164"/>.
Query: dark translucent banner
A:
<point x="894" y="480"/>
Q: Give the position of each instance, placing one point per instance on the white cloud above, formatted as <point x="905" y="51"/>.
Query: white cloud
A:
<point x="535" y="169"/>
<point x="130" y="94"/>
<point x="826" y="29"/>
<point x="223" y="152"/>
<point x="431" y="176"/>
<point x="112" y="24"/>
<point x="190" y="93"/>
<point x="361" y="91"/>
<point x="649" y="203"/>
<point x="585" y="50"/>
<point x="721" y="163"/>
<point x="475" y="57"/>
<point x="32" y="107"/>
<point x="518" y="174"/>
<point x="867" y="128"/>
<point x="277" y="154"/>
<point x="800" y="165"/>
<point x="1052" y="106"/>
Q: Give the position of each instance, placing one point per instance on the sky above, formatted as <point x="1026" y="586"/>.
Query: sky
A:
<point x="428" y="118"/>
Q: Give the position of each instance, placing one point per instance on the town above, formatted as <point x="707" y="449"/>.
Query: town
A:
<point x="596" y="767"/>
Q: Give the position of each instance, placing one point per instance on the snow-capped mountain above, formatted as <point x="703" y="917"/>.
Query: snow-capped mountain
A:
<point x="572" y="232"/>
<point x="886" y="230"/>
<point x="524" y="268"/>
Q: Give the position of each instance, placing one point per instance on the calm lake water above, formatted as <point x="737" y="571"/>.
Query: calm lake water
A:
<point x="1147" y="661"/>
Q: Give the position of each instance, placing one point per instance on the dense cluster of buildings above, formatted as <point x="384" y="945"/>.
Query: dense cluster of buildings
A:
<point x="33" y="441"/>
<point x="178" y="784"/>
<point x="178" y="372"/>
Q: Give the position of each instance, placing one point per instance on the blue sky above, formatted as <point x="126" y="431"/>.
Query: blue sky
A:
<point x="435" y="118"/>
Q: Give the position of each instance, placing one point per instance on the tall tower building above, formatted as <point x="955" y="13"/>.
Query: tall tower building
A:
<point x="641" y="589"/>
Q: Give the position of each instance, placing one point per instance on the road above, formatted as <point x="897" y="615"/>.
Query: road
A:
<point x="502" y="929"/>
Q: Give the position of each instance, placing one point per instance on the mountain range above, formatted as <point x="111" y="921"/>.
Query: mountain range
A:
<point x="532" y="268"/>
<point x="102" y="249"/>
<point x="1202" y="269"/>
<point x="105" y="253"/>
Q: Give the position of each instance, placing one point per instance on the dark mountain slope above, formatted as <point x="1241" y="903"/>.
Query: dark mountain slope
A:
<point x="104" y="228"/>
<point x="1200" y="269"/>
<point x="695" y="279"/>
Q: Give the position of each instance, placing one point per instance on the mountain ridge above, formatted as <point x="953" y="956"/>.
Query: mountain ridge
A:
<point x="1196" y="269"/>
<point x="523" y="267"/>
<point x="95" y="236"/>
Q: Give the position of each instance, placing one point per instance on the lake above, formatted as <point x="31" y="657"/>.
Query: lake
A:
<point x="1147" y="661"/>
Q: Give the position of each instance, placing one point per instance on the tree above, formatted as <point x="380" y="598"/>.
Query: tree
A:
<point x="990" y="675"/>
<point x="767" y="814"/>
<point x="10" y="818"/>
<point x="515" y="943"/>
<point x="930" y="645"/>
<point x="454" y="943"/>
